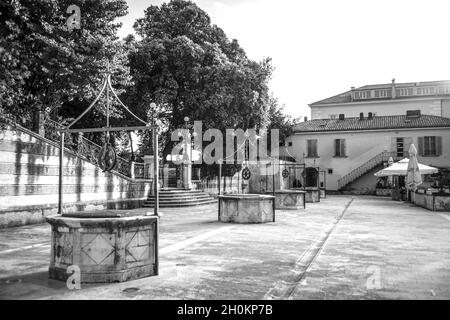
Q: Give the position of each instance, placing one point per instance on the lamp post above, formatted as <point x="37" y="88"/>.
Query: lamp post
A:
<point x="155" y="160"/>
<point x="187" y="155"/>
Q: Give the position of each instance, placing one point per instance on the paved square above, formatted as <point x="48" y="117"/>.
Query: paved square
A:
<point x="341" y="248"/>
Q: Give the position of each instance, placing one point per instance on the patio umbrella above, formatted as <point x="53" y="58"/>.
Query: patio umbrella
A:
<point x="390" y="163"/>
<point x="400" y="168"/>
<point x="413" y="178"/>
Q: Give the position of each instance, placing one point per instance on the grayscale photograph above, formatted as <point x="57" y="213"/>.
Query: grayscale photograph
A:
<point x="209" y="151"/>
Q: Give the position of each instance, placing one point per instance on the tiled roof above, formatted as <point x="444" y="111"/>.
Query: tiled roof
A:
<point x="347" y="96"/>
<point x="377" y="122"/>
<point x="340" y="98"/>
<point x="405" y="84"/>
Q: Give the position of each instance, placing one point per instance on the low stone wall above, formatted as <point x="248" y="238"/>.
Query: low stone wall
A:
<point x="434" y="202"/>
<point x="29" y="167"/>
<point x="383" y="192"/>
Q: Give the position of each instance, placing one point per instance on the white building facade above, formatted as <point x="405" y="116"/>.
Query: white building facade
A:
<point x="432" y="98"/>
<point x="352" y="135"/>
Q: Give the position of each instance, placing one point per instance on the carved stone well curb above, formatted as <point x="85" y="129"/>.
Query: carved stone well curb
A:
<point x="290" y="199"/>
<point x="106" y="249"/>
<point x="246" y="208"/>
<point x="312" y="194"/>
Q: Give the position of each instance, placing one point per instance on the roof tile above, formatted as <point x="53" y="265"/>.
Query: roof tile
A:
<point x="377" y="122"/>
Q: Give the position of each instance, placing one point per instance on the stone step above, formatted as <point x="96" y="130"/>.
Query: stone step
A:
<point x="181" y="198"/>
<point x="199" y="197"/>
<point x="180" y="201"/>
<point x="181" y="193"/>
<point x="175" y="190"/>
<point x="180" y="204"/>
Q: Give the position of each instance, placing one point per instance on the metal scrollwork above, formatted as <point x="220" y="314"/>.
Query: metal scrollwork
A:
<point x="285" y="173"/>
<point x="107" y="158"/>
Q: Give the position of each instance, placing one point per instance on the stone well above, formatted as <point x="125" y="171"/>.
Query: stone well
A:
<point x="246" y="208"/>
<point x="323" y="193"/>
<point x="312" y="194"/>
<point x="106" y="246"/>
<point x="290" y="199"/>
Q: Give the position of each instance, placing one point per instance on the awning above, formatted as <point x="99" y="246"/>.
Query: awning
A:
<point x="400" y="169"/>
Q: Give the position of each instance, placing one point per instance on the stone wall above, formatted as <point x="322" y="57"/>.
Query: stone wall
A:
<point x="29" y="166"/>
<point x="434" y="202"/>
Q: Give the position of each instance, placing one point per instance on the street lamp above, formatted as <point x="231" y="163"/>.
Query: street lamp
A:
<point x="191" y="134"/>
<point x="155" y="160"/>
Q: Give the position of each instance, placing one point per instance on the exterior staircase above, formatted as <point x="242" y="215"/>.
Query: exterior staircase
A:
<point x="180" y="198"/>
<point x="366" y="167"/>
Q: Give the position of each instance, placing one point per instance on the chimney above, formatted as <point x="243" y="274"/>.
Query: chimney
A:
<point x="393" y="89"/>
<point x="341" y="116"/>
<point x="305" y="119"/>
<point x="361" y="116"/>
<point x="369" y="115"/>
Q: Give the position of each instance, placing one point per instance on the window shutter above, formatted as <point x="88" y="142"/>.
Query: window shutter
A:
<point x="394" y="144"/>
<point x="343" y="154"/>
<point x="309" y="148"/>
<point x="438" y="146"/>
<point x="336" y="147"/>
<point x="421" y="146"/>
<point x="315" y="147"/>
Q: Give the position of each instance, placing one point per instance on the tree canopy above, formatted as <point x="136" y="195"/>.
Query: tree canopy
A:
<point x="180" y="61"/>
<point x="45" y="66"/>
<point x="190" y="68"/>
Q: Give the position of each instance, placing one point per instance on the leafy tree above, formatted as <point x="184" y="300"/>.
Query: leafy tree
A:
<point x="45" y="66"/>
<point x="279" y="120"/>
<point x="190" y="68"/>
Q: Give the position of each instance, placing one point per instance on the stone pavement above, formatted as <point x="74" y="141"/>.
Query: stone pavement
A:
<point x="340" y="248"/>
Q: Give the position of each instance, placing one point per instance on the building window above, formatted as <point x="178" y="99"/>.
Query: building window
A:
<point x="430" y="146"/>
<point x="330" y="171"/>
<point x="289" y="143"/>
<point x="382" y="93"/>
<point x="311" y="147"/>
<point x="339" y="147"/>
<point x="363" y="94"/>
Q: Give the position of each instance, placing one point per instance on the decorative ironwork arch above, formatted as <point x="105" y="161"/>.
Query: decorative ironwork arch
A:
<point x="107" y="158"/>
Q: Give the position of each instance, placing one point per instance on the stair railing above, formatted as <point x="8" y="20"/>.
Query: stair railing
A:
<point x="366" y="167"/>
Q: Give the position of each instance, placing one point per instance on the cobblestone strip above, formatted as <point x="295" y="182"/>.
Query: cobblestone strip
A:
<point x="284" y="289"/>
<point x="46" y="244"/>
<point x="190" y="241"/>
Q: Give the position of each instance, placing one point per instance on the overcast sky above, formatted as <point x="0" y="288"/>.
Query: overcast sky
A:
<point x="323" y="47"/>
